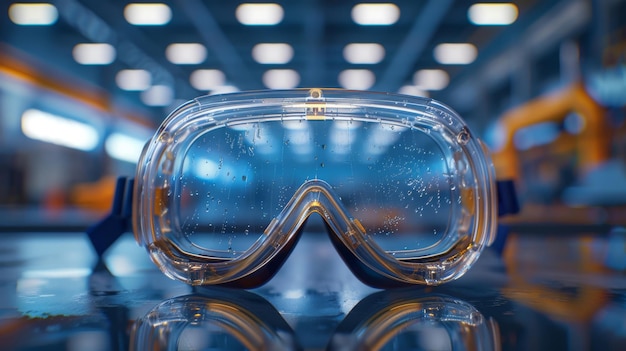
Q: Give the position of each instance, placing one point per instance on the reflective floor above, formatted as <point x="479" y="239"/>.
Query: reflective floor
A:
<point x="549" y="289"/>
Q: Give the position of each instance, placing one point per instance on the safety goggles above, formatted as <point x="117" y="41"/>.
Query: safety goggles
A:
<point x="225" y="187"/>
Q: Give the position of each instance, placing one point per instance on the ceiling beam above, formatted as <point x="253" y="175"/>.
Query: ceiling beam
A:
<point x="97" y="30"/>
<point x="421" y="33"/>
<point x="314" y="23"/>
<point x="218" y="43"/>
<point x="548" y="31"/>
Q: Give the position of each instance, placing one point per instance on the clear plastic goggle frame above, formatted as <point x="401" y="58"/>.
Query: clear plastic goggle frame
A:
<point x="404" y="189"/>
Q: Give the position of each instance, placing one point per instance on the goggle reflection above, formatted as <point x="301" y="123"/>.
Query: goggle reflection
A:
<point x="239" y="320"/>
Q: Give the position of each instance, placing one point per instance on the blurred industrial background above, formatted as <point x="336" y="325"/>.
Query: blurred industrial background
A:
<point x="85" y="83"/>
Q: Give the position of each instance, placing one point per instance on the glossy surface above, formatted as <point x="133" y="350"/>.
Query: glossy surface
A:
<point x="550" y="290"/>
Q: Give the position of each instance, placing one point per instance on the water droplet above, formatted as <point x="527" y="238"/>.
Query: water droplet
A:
<point x="244" y="178"/>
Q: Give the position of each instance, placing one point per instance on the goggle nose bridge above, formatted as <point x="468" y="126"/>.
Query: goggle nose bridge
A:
<point x="347" y="234"/>
<point x="316" y="196"/>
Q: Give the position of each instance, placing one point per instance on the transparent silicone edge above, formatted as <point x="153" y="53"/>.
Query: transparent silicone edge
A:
<point x="147" y="232"/>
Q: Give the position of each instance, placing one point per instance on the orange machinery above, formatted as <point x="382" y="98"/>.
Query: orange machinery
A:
<point x="590" y="149"/>
<point x="593" y="141"/>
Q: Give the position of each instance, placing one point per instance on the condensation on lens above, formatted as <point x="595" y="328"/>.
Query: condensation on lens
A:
<point x="394" y="179"/>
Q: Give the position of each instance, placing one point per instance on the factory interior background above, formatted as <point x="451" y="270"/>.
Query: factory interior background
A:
<point x="84" y="84"/>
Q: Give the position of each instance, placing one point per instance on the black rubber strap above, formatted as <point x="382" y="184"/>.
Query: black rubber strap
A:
<point x="104" y="233"/>
<point x="507" y="197"/>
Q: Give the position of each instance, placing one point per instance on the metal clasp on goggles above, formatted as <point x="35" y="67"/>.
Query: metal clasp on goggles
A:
<point x="222" y="191"/>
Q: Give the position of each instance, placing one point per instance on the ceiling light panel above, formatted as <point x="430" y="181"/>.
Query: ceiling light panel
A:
<point x="147" y="14"/>
<point x="272" y="53"/>
<point x="158" y="95"/>
<point x="133" y="79"/>
<point x="364" y="53"/>
<point x="94" y="53"/>
<point x="224" y="89"/>
<point x="186" y="53"/>
<point x="431" y="79"/>
<point x="207" y="79"/>
<point x="492" y="14"/>
<point x="455" y="53"/>
<point x="357" y="79"/>
<point x="50" y="128"/>
<point x="413" y="90"/>
<point x="33" y="14"/>
<point x="124" y="147"/>
<point x="375" y="14"/>
<point x="259" y="14"/>
<point x="281" y="79"/>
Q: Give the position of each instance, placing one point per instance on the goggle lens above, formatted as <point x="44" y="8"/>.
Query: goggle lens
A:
<point x="397" y="181"/>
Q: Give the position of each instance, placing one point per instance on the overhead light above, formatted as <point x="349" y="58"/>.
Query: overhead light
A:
<point x="272" y="53"/>
<point x="281" y="79"/>
<point x="346" y="125"/>
<point x="357" y="79"/>
<point x="492" y="14"/>
<point x="295" y="124"/>
<point x="207" y="79"/>
<point x="375" y="14"/>
<point x="342" y="137"/>
<point x="413" y="90"/>
<point x="219" y="170"/>
<point x="224" y="89"/>
<point x="186" y="53"/>
<point x="124" y="147"/>
<point x="50" y="128"/>
<point x="455" y="53"/>
<point x="300" y="141"/>
<point x="133" y="79"/>
<point x="33" y="14"/>
<point x="431" y="79"/>
<point x="299" y="136"/>
<point x="381" y="138"/>
<point x="261" y="138"/>
<point x="267" y="14"/>
<point x="158" y="95"/>
<point x="147" y="14"/>
<point x="94" y="53"/>
<point x="207" y="169"/>
<point x="364" y="53"/>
